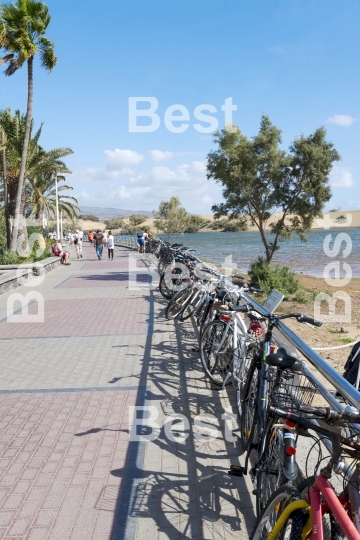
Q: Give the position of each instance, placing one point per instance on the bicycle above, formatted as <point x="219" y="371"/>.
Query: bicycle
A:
<point x="302" y="518"/>
<point x="267" y="381"/>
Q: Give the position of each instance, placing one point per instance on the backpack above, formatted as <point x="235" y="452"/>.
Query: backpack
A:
<point x="140" y="234"/>
<point x="352" y="365"/>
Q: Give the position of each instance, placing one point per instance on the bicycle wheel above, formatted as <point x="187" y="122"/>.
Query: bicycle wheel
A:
<point x="331" y="528"/>
<point x="164" y="289"/>
<point x="248" y="421"/>
<point x="178" y="302"/>
<point x="270" y="474"/>
<point x="265" y="523"/>
<point x="216" y="364"/>
<point x="240" y="391"/>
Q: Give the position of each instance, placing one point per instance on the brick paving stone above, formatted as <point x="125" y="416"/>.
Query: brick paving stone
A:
<point x="66" y="466"/>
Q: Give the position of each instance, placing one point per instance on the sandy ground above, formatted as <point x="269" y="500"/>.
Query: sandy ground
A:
<point x="329" y="220"/>
<point x="330" y="334"/>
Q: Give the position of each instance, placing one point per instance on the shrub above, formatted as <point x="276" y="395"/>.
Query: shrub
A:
<point x="301" y="297"/>
<point x="88" y="217"/>
<point x="267" y="277"/>
<point x="114" y="223"/>
<point x="137" y="219"/>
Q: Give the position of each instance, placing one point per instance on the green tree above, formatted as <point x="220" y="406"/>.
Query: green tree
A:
<point x="171" y="217"/>
<point x="41" y="195"/>
<point x="137" y="219"/>
<point x="89" y="217"/>
<point x="260" y="179"/>
<point x="195" y="223"/>
<point x="41" y="166"/>
<point x="22" y="36"/>
<point x="115" y="223"/>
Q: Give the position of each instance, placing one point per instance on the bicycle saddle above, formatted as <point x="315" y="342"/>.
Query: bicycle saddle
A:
<point x="283" y="360"/>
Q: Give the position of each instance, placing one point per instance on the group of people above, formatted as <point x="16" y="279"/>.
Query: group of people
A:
<point x="97" y="238"/>
<point x="142" y="239"/>
<point x="100" y="240"/>
<point x="76" y="238"/>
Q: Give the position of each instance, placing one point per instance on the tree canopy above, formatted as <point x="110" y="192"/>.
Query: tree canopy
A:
<point x="261" y="179"/>
<point x="171" y="217"/>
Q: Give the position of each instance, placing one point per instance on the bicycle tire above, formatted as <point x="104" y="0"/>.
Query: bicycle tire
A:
<point x="248" y="409"/>
<point x="177" y="303"/>
<point x="331" y="528"/>
<point x="270" y="476"/>
<point x="275" y="505"/>
<point x="164" y="289"/>
<point x="240" y="390"/>
<point x="212" y="335"/>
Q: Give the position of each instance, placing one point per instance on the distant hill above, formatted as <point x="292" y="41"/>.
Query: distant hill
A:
<point x="109" y="213"/>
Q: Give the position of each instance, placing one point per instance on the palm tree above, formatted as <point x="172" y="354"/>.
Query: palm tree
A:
<point x="22" y="35"/>
<point x="41" y="195"/>
<point x="41" y="165"/>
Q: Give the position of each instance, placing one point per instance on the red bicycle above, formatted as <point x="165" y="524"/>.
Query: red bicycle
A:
<point x="287" y="514"/>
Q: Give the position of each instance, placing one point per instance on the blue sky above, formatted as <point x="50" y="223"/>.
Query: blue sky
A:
<point x="294" y="60"/>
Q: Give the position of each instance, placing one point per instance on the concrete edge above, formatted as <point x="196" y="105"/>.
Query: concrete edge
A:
<point x="16" y="275"/>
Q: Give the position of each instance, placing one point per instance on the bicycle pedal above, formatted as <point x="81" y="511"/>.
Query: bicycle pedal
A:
<point x="195" y="349"/>
<point x="236" y="470"/>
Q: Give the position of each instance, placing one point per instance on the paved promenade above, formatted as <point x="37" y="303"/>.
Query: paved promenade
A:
<point x="67" y="467"/>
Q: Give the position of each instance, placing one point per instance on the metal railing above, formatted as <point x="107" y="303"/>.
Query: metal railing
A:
<point x="126" y="241"/>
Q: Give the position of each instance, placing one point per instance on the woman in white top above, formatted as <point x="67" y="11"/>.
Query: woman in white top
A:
<point x="110" y="245"/>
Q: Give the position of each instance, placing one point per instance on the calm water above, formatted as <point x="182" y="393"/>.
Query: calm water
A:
<point x="245" y="247"/>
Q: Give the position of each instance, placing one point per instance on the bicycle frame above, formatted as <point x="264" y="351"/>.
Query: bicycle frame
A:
<point x="314" y="525"/>
<point x="239" y="329"/>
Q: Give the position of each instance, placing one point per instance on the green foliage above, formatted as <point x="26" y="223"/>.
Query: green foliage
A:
<point x="9" y="257"/>
<point x="260" y="179"/>
<point x="23" y="36"/>
<point x="346" y="340"/>
<point x="266" y="277"/>
<point x="115" y="223"/>
<point x="88" y="217"/>
<point x="137" y="219"/>
<point x="195" y="223"/>
<point x="341" y="219"/>
<point x="229" y="225"/>
<point x="301" y="297"/>
<point x="171" y="217"/>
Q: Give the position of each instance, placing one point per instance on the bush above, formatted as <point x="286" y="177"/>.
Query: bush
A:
<point x="229" y="225"/>
<point x="114" y="223"/>
<point x="266" y="277"/>
<point x="8" y="257"/>
<point x="88" y="217"/>
<point x="137" y="219"/>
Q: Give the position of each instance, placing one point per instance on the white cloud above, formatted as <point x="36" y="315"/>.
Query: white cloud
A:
<point x="143" y="190"/>
<point x="158" y="155"/>
<point x="341" y="120"/>
<point x="341" y="177"/>
<point x="118" y="159"/>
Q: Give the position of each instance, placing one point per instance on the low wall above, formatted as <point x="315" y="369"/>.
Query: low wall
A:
<point x="12" y="275"/>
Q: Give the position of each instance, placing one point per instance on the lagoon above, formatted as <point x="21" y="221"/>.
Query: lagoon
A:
<point x="302" y="257"/>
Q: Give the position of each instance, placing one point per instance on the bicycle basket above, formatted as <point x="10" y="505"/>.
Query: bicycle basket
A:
<point x="294" y="389"/>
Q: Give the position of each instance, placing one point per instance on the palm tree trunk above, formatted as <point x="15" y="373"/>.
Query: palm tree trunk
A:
<point x="6" y="196"/>
<point x="18" y="226"/>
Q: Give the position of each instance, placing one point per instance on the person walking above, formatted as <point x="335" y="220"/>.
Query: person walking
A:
<point x="110" y="245"/>
<point x="78" y="238"/>
<point x="91" y="237"/>
<point x="99" y="238"/>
